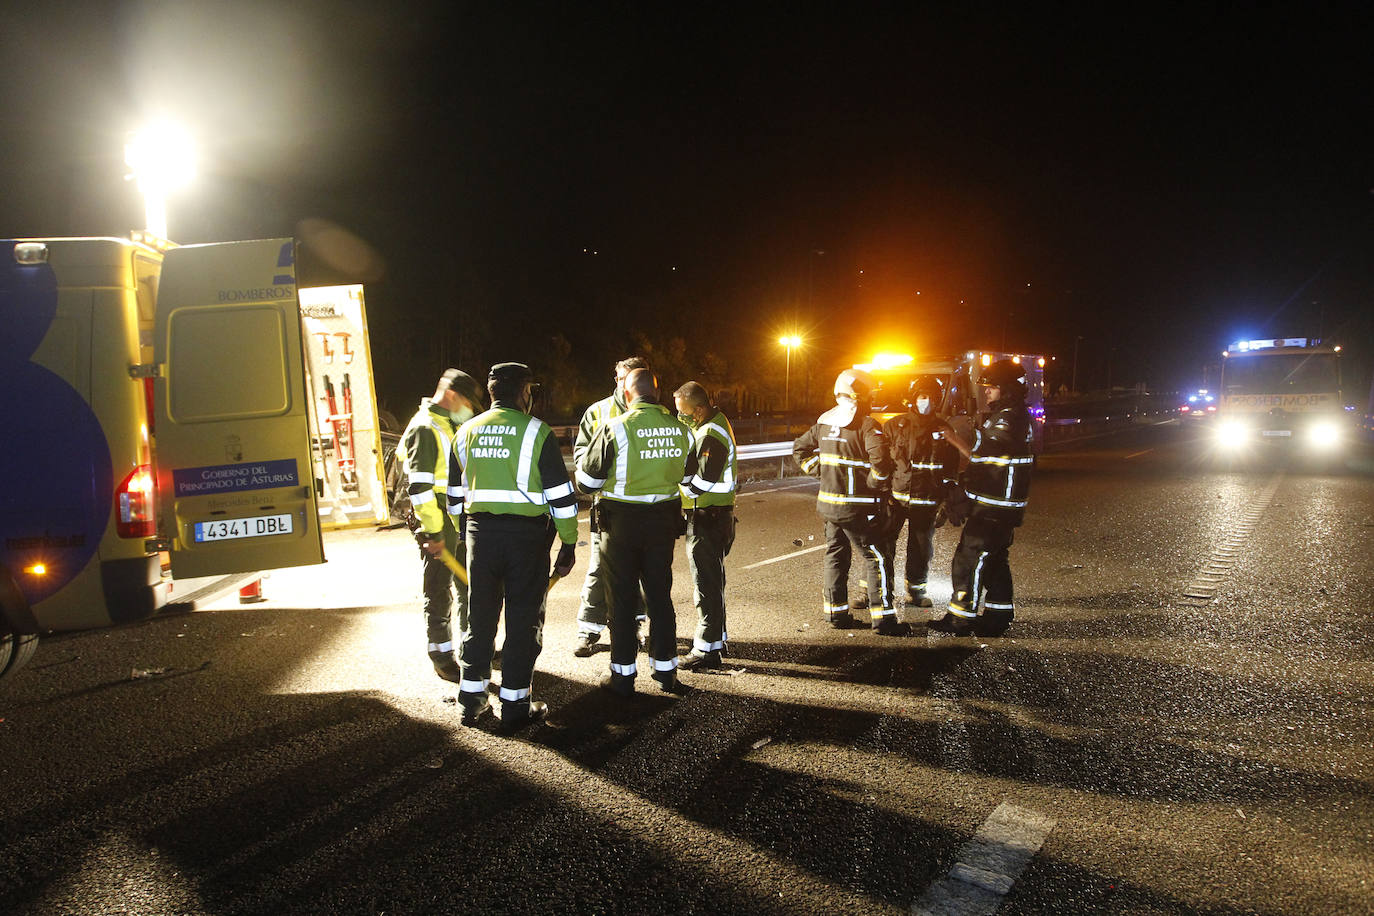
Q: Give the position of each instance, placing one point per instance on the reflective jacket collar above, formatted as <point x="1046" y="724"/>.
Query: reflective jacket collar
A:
<point x="436" y="411"/>
<point x="843" y="414"/>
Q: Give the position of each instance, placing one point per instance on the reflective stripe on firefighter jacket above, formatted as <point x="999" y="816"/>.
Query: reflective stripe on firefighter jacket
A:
<point x="642" y="456"/>
<point x="715" y="480"/>
<point x="853" y="464"/>
<point x="926" y="462"/>
<point x="593" y="418"/>
<point x="506" y="462"/>
<point x="423" y="453"/>
<point x="997" y="478"/>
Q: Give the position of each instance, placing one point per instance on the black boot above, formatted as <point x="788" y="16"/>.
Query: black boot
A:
<point x="622" y="685"/>
<point x="952" y="624"/>
<point x="446" y="666"/>
<point x="475" y="708"/>
<point x="993" y="623"/>
<point x="889" y="625"/>
<point x="700" y="661"/>
<point x="521" y="713"/>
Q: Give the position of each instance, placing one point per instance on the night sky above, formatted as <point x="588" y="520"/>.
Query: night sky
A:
<point x="567" y="184"/>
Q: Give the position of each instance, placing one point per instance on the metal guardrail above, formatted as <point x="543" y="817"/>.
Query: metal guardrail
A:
<point x="764" y="450"/>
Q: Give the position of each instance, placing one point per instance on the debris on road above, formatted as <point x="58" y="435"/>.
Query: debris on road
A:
<point x="762" y="741"/>
<point x="141" y="673"/>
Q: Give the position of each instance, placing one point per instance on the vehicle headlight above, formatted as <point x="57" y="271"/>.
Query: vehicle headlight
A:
<point x="1323" y="435"/>
<point x="1232" y="434"/>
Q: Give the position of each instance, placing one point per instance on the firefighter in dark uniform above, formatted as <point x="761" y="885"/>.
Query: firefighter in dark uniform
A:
<point x="637" y="463"/>
<point x="847" y="450"/>
<point x="927" y="465"/>
<point x="515" y="493"/>
<point x="592" y="615"/>
<point x="709" y="504"/>
<point x="423" y="452"/>
<point x="995" y="486"/>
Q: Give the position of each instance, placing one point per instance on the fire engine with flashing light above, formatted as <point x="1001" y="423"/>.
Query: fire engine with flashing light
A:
<point x="959" y="375"/>
<point x="1284" y="391"/>
<point x="158" y="420"/>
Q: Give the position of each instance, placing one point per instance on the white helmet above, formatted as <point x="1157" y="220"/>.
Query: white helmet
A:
<point x="854" y="383"/>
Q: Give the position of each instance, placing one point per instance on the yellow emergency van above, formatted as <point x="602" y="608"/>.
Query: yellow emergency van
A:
<point x="156" y="403"/>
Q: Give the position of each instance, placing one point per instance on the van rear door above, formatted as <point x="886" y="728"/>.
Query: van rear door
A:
<point x="234" y="482"/>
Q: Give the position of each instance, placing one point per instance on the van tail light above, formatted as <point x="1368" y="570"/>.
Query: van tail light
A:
<point x="135" y="500"/>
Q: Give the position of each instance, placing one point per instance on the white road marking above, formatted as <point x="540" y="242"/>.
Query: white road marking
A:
<point x="988" y="865"/>
<point x="786" y="556"/>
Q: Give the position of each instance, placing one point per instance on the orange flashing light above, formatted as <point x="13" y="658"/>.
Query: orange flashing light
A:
<point x="37" y="569"/>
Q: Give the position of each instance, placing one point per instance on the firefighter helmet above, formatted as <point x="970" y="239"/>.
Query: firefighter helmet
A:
<point x="927" y="385"/>
<point x="854" y="383"/>
<point x="1003" y="374"/>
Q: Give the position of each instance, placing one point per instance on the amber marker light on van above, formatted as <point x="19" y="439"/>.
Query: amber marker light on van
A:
<point x="37" y="569"/>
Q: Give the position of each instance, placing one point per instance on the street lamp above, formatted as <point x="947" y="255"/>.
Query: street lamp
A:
<point x="791" y="342"/>
<point x="162" y="159"/>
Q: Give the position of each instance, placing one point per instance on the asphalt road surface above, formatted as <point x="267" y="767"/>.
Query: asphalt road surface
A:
<point x="1179" y="721"/>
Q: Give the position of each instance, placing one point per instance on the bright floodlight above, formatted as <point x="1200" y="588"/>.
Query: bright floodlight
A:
<point x="162" y="159"/>
<point x="1324" y="435"/>
<point x="790" y="340"/>
<point x="1232" y="434"/>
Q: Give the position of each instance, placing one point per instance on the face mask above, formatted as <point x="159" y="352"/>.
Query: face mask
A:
<point x="688" y="419"/>
<point x="923" y="404"/>
<point x="462" y="414"/>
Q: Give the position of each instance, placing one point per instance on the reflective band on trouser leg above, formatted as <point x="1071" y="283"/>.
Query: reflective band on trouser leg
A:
<point x="669" y="665"/>
<point x="514" y="696"/>
<point x="441" y="646"/>
<point x="884" y="582"/>
<point x="474" y="686"/>
<point x="594" y="629"/>
<point x="629" y="670"/>
<point x="971" y="609"/>
<point x="702" y="645"/>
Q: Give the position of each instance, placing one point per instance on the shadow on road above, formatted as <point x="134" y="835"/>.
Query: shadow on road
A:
<point x="216" y="792"/>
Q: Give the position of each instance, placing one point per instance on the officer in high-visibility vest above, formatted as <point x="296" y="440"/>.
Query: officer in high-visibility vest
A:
<point x="515" y="493"/>
<point x="592" y="616"/>
<point x="995" y="487"/>
<point x="638" y="462"/>
<point x="423" y="452"/>
<point x="847" y="450"/>
<point x="926" y="467"/>
<point x="708" y="501"/>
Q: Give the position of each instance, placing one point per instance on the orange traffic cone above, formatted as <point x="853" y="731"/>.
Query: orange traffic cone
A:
<point x="252" y="592"/>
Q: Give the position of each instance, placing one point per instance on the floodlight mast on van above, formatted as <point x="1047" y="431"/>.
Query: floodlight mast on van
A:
<point x="162" y="159"/>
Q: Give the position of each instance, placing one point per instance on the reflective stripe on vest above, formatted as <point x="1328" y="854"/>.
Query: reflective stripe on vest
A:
<point x="498" y="451"/>
<point x="721" y="492"/>
<point x="642" y="474"/>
